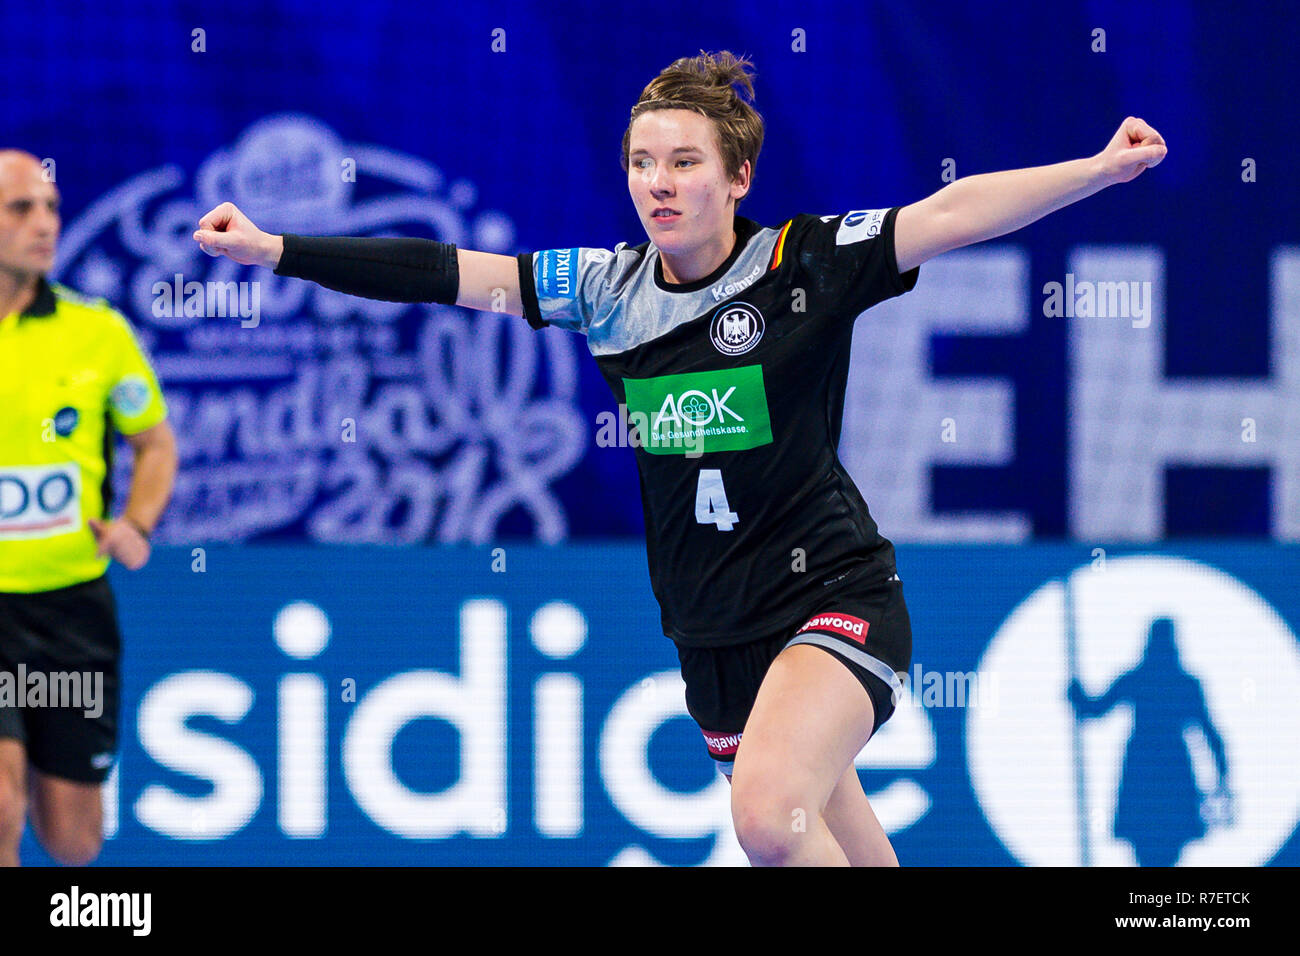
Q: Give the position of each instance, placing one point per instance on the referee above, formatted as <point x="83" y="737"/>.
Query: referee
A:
<point x="71" y="374"/>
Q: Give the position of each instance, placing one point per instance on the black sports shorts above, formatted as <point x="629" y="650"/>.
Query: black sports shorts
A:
<point x="59" y="657"/>
<point x="864" y="626"/>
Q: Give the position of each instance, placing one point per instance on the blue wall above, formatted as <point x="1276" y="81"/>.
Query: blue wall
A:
<point x="517" y="149"/>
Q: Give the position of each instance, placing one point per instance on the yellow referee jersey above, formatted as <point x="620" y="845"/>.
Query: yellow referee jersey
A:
<point x="71" y="372"/>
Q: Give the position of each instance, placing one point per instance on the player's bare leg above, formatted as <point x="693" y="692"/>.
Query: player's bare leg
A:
<point x="13" y="798"/>
<point x="68" y="818"/>
<point x="854" y="826"/>
<point x="853" y="823"/>
<point x="809" y="721"/>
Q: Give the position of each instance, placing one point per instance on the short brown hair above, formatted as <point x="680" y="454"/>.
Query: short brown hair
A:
<point x="704" y="85"/>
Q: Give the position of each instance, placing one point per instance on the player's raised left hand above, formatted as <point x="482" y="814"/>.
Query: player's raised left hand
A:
<point x="1133" y="148"/>
<point x="121" y="541"/>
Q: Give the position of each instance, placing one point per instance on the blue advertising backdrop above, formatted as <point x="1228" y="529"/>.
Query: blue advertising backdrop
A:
<point x="497" y="126"/>
<point x="297" y="705"/>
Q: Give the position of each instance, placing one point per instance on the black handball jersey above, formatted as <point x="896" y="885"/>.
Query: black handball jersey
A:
<point x="731" y="391"/>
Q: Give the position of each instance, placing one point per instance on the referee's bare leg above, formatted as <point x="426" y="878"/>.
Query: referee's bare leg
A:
<point x="795" y="796"/>
<point x="13" y="798"/>
<point x="68" y="817"/>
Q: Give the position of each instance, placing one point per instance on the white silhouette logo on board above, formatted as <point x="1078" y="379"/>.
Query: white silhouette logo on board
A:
<point x="1148" y="713"/>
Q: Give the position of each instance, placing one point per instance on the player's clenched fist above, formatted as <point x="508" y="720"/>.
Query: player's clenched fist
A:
<point x="228" y="232"/>
<point x="1134" y="147"/>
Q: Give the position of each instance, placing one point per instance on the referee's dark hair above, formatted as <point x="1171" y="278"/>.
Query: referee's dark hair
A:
<point x="706" y="84"/>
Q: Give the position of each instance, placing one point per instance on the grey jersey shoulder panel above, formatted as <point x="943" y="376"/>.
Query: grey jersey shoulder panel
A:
<point x="619" y="307"/>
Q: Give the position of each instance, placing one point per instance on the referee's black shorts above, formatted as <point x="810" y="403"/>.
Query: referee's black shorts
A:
<point x="60" y="652"/>
<point x="864" y="625"/>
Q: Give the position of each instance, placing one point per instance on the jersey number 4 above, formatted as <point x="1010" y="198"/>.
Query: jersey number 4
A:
<point x="711" y="501"/>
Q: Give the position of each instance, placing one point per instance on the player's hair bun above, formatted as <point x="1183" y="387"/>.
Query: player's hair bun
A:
<point x="725" y="70"/>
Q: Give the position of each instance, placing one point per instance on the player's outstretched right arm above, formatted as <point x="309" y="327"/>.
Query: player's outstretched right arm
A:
<point x="394" y="270"/>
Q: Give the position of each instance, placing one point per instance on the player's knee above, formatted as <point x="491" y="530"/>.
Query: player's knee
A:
<point x="71" y="842"/>
<point x="72" y="847"/>
<point x="769" y="821"/>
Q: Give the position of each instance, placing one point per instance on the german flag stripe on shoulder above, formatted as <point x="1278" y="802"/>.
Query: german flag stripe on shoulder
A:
<point x="779" y="252"/>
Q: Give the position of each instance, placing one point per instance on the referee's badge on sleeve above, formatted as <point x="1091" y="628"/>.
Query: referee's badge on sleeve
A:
<point x="131" y="396"/>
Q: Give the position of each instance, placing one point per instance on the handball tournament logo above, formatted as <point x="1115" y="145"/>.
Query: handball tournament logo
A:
<point x="736" y="328"/>
<point x="1148" y="713"/>
<point x="335" y="418"/>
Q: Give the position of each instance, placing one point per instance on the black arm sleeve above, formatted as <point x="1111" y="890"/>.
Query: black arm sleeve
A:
<point x="394" y="270"/>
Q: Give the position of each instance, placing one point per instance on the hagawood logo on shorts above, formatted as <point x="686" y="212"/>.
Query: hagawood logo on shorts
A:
<point x="854" y="628"/>
<point x="722" y="745"/>
<point x="37" y="501"/>
<point x="723" y="410"/>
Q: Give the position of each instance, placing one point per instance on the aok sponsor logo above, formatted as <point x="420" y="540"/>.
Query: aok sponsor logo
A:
<point x="724" y="410"/>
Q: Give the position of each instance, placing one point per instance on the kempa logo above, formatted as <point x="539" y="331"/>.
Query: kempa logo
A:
<point x="74" y="908"/>
<point x="725" y="410"/>
<point x="736" y="328"/>
<point x="726" y="290"/>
